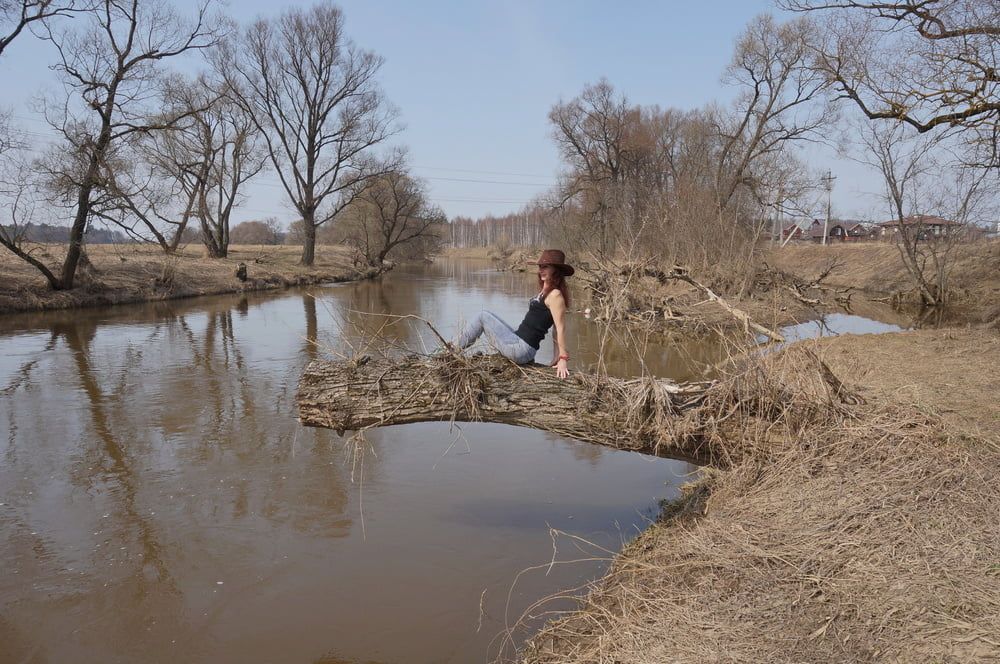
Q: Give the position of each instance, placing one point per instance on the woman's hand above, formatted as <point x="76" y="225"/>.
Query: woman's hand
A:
<point x="562" y="368"/>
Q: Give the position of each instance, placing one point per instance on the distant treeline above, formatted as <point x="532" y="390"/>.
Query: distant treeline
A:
<point x="248" y="232"/>
<point x="526" y="228"/>
<point x="59" y="234"/>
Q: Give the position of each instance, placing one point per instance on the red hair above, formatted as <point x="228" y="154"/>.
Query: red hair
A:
<point x="558" y="283"/>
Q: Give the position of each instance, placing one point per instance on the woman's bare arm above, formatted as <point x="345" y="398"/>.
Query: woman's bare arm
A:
<point x="557" y="305"/>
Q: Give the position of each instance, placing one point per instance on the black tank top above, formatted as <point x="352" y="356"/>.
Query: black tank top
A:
<point x="536" y="322"/>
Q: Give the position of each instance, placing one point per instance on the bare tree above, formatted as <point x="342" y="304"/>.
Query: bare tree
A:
<point x="109" y="70"/>
<point x="780" y="102"/>
<point x="6" y="140"/>
<point x="202" y="163"/>
<point x="314" y="96"/>
<point x="18" y="201"/>
<point x="626" y="165"/>
<point x="932" y="198"/>
<point x="237" y="159"/>
<point x="211" y="158"/>
<point x="932" y="64"/>
<point x="155" y="189"/>
<point x="391" y="213"/>
<point x="296" y="234"/>
<point x="591" y="132"/>
<point x="16" y="15"/>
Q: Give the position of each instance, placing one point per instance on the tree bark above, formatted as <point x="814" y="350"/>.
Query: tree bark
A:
<point x="75" y="248"/>
<point x="308" y="240"/>
<point x="625" y="414"/>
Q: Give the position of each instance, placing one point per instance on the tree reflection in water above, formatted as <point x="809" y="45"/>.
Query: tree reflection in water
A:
<point x="146" y="442"/>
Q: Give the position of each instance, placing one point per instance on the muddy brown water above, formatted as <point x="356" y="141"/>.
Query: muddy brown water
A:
<point x="159" y="501"/>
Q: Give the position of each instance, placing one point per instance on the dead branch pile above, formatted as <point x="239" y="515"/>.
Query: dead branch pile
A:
<point x="509" y="259"/>
<point x="858" y="535"/>
<point x="647" y="295"/>
<point x="814" y="292"/>
<point x="644" y="295"/>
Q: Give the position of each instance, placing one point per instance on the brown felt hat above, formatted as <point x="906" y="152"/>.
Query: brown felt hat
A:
<point x="557" y="259"/>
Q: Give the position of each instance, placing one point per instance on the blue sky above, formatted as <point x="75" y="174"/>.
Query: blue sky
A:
<point x="474" y="82"/>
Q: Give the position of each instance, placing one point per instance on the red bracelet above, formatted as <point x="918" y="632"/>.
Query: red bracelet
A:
<point x="563" y="357"/>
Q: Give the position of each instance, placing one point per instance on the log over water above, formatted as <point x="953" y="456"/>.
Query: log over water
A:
<point x="626" y="414"/>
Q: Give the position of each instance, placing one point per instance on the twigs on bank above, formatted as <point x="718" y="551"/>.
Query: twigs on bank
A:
<point x="681" y="274"/>
<point x="617" y="295"/>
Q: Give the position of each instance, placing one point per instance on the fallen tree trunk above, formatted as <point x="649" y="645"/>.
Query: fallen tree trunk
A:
<point x="629" y="414"/>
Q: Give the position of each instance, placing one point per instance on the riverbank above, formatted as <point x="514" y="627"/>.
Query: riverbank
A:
<point x="861" y="534"/>
<point x="865" y="277"/>
<point x="650" y="303"/>
<point x="876" y="270"/>
<point x="121" y="274"/>
<point x="476" y="253"/>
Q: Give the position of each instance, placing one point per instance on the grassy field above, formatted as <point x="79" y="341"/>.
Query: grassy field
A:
<point x="138" y="273"/>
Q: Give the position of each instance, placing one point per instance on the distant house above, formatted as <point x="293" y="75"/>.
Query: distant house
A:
<point x="839" y="230"/>
<point x="792" y="232"/>
<point x="926" y="227"/>
<point x="858" y="232"/>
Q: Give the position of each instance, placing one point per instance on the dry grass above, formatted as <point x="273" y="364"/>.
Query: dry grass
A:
<point x="840" y="531"/>
<point x="876" y="267"/>
<point x="131" y="273"/>
<point x="467" y="252"/>
<point x="953" y="373"/>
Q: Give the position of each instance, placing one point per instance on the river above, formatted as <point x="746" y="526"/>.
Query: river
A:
<point x="159" y="502"/>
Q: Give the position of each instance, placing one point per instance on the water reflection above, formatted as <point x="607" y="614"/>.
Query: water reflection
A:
<point x="161" y="503"/>
<point x="310" y="349"/>
<point x="831" y="325"/>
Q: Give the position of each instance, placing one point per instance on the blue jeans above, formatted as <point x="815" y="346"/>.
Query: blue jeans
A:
<point x="500" y="335"/>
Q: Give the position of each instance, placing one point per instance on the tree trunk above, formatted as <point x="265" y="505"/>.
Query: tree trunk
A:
<point x="626" y="414"/>
<point x="75" y="248"/>
<point x="309" y="241"/>
<point x="86" y="187"/>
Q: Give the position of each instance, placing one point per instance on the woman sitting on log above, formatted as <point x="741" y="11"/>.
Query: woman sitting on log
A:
<point x="546" y="309"/>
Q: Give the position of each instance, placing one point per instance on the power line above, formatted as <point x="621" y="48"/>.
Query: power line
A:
<point x="277" y="184"/>
<point x="523" y="184"/>
<point x="478" y="200"/>
<point x="466" y="170"/>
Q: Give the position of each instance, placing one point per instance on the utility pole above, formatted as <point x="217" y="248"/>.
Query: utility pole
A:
<point x="827" y="181"/>
<point x="779" y="218"/>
